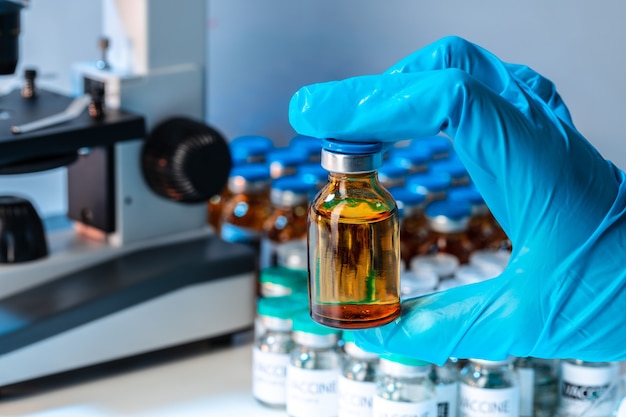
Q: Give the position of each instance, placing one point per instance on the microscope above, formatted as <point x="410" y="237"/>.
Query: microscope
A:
<point x="134" y="268"/>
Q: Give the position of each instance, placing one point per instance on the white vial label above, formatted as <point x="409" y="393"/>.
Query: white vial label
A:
<point x="483" y="402"/>
<point x="387" y="408"/>
<point x="355" y="397"/>
<point x="312" y="393"/>
<point x="269" y="371"/>
<point x="526" y="391"/>
<point x="585" y="388"/>
<point x="447" y="395"/>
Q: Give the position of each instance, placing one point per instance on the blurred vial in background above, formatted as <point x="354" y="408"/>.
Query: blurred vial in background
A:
<point x="289" y="197"/>
<point x="313" y="173"/>
<point x="314" y="369"/>
<point x="454" y="167"/>
<point x="391" y="175"/>
<point x="243" y="149"/>
<point x="489" y="388"/>
<point x="246" y="211"/>
<point x="404" y="388"/>
<point x="413" y="224"/>
<point x="433" y="185"/>
<point x="470" y="274"/>
<point x="585" y="388"/>
<point x="285" y="161"/>
<point x="357" y="382"/>
<point x="445" y="378"/>
<point x="484" y="230"/>
<point x="448" y="223"/>
<point x="293" y="255"/>
<point x="272" y="349"/>
<point x="279" y="281"/>
<point x="443" y="264"/>
<point x="412" y="159"/>
<point x="312" y="147"/>
<point x="538" y="382"/>
<point x="439" y="146"/>
<point x="415" y="283"/>
<point x="490" y="260"/>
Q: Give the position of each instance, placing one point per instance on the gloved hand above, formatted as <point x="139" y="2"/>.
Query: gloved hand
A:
<point x="563" y="206"/>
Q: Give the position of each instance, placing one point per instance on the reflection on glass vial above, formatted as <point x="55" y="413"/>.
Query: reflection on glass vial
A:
<point x="538" y="386"/>
<point x="357" y="385"/>
<point x="586" y="387"/>
<point x="272" y="348"/>
<point x="403" y="387"/>
<point x="488" y="388"/>
<point x="314" y="369"/>
<point x="446" y="381"/>
<point x="353" y="234"/>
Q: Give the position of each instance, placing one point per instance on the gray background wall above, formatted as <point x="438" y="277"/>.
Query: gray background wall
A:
<point x="260" y="52"/>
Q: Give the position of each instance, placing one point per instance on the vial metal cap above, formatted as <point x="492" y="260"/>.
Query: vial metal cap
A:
<point x="351" y="158"/>
<point x="485" y="362"/>
<point x="403" y="366"/>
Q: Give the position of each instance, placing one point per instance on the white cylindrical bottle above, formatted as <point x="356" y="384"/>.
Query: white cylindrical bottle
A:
<point x="587" y="387"/>
<point x="357" y="382"/>
<point x="404" y="388"/>
<point x="446" y="381"/>
<point x="489" y="389"/>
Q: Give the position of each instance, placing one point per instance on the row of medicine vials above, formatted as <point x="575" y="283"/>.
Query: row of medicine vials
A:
<point x="310" y="370"/>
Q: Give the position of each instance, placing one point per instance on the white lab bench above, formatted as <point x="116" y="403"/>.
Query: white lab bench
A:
<point x="214" y="382"/>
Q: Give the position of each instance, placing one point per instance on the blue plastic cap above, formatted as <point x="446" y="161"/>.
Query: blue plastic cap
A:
<point x="293" y="183"/>
<point x="312" y="172"/>
<point x="391" y="170"/>
<point x="281" y="307"/>
<point x="309" y="144"/>
<point x="410" y="156"/>
<point x="466" y="193"/>
<point x="428" y="182"/>
<point x="452" y="166"/>
<point x="404" y="360"/>
<point x="244" y="147"/>
<point x="287" y="156"/>
<point x="351" y="148"/>
<point x="251" y="172"/>
<point x="454" y="210"/>
<point x="406" y="197"/>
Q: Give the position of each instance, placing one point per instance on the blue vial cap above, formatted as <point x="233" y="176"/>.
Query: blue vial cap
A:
<point x="406" y="197"/>
<point x="466" y="193"/>
<point x="309" y="144"/>
<point x="437" y="144"/>
<point x="428" y="182"/>
<point x="453" y="210"/>
<point x="302" y="322"/>
<point x="281" y="307"/>
<point x="404" y="360"/>
<point x="312" y="172"/>
<point x="293" y="183"/>
<point x="251" y="172"/>
<point x="351" y="148"/>
<point x="244" y="148"/>
<point x="393" y="171"/>
<point x="410" y="156"/>
<point x="287" y="156"/>
<point x="452" y="166"/>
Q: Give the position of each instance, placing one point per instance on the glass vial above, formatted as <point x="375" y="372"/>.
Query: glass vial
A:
<point x="404" y="388"/>
<point x="272" y="349"/>
<point x="354" y="241"/>
<point x="413" y="224"/>
<point x="446" y="381"/>
<point x="288" y="221"/>
<point x="278" y="281"/>
<point x="489" y="388"/>
<point x="538" y="381"/>
<point x="586" y="387"/>
<point x="357" y="382"/>
<point x="314" y="368"/>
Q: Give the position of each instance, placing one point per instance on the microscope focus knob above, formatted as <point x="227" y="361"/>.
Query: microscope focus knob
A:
<point x="185" y="160"/>
<point x="22" y="236"/>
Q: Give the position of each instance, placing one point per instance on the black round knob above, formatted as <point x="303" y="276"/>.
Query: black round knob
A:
<point x="186" y="160"/>
<point x="22" y="236"/>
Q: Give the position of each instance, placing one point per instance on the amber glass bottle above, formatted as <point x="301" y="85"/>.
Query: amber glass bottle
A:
<point x="354" y="241"/>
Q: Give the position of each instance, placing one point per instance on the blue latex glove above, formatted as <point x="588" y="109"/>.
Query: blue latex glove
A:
<point x="563" y="294"/>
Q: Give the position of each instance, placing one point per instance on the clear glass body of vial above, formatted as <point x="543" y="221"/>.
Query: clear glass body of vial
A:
<point x="272" y="349"/>
<point x="413" y="224"/>
<point x="489" y="388"/>
<point x="403" y="387"/>
<point x="538" y="382"/>
<point x="245" y="213"/>
<point x="314" y="368"/>
<point x="448" y="222"/>
<point x="289" y="197"/>
<point x="354" y="241"/>
<point x="587" y="387"/>
<point x="445" y="378"/>
<point x="357" y="382"/>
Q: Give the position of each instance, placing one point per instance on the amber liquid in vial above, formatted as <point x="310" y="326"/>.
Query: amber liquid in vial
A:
<point x="354" y="264"/>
